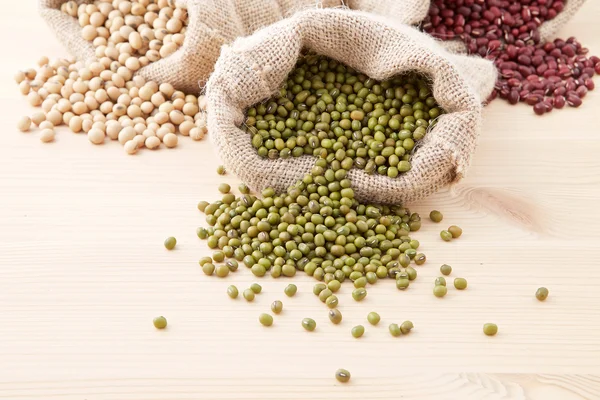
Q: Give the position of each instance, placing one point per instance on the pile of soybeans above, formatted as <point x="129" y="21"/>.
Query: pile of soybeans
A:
<point x="103" y="97"/>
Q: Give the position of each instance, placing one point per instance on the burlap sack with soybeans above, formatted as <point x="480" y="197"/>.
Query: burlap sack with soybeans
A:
<point x="254" y="68"/>
<point x="211" y="24"/>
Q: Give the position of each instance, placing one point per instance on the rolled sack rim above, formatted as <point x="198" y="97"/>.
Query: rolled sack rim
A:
<point x="224" y="123"/>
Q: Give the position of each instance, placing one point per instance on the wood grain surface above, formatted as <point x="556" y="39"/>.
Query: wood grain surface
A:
<point x="83" y="270"/>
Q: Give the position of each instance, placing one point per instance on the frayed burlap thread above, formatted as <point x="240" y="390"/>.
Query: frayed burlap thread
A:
<point x="212" y="23"/>
<point x="254" y="68"/>
<point x="406" y="11"/>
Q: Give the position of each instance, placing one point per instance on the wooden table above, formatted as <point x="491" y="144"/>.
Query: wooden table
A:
<point x="83" y="270"/>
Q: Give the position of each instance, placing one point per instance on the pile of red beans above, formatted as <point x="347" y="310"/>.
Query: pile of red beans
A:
<point x="544" y="75"/>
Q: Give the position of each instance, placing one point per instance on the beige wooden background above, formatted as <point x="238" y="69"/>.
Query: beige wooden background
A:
<point x="83" y="270"/>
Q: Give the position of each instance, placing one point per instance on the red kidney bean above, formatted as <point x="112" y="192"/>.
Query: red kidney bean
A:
<point x="513" y="97"/>
<point x="556" y="53"/>
<point x="539" y="108"/>
<point x="537" y="60"/>
<point x="507" y="32"/>
<point x="568" y="50"/>
<point x="533" y="99"/>
<point x="573" y="100"/>
<point x="541" y="69"/>
<point x="587" y="71"/>
<point x="560" y="91"/>
<point x="589" y="84"/>
<point x="556" y="80"/>
<point x="581" y="91"/>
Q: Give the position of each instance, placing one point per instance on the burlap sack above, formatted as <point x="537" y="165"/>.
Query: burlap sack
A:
<point x="254" y="68"/>
<point x="212" y="23"/>
<point x="406" y="11"/>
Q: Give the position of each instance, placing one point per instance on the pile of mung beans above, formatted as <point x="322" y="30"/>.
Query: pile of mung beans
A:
<point x="544" y="75"/>
<point x="103" y="97"/>
<point x="316" y="227"/>
<point x="329" y="110"/>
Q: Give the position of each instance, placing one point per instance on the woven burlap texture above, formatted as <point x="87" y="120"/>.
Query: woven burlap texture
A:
<point x="254" y="68"/>
<point x="406" y="11"/>
<point x="212" y="23"/>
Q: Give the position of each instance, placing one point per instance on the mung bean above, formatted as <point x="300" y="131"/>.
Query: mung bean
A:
<point x="342" y="375"/>
<point x="436" y="216"/>
<point x="232" y="292"/>
<point x="395" y="330"/>
<point x="335" y="316"/>
<point x="160" y="322"/>
<point x="460" y="283"/>
<point x="455" y="231"/>
<point x="440" y="291"/>
<point x="290" y="290"/>
<point x="309" y="324"/>
<point x="373" y="318"/>
<point x="490" y="329"/>
<point x="256" y="288"/>
<point x="170" y="243"/>
<point x="541" y="294"/>
<point x="357" y="331"/>
<point x="276" y="306"/>
<point x="446" y="236"/>
<point x="445" y="269"/>
<point x="265" y="319"/>
<point x="406" y="327"/>
<point x="248" y="295"/>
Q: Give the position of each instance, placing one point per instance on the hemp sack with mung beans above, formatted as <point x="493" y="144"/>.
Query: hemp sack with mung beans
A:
<point x="255" y="68"/>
